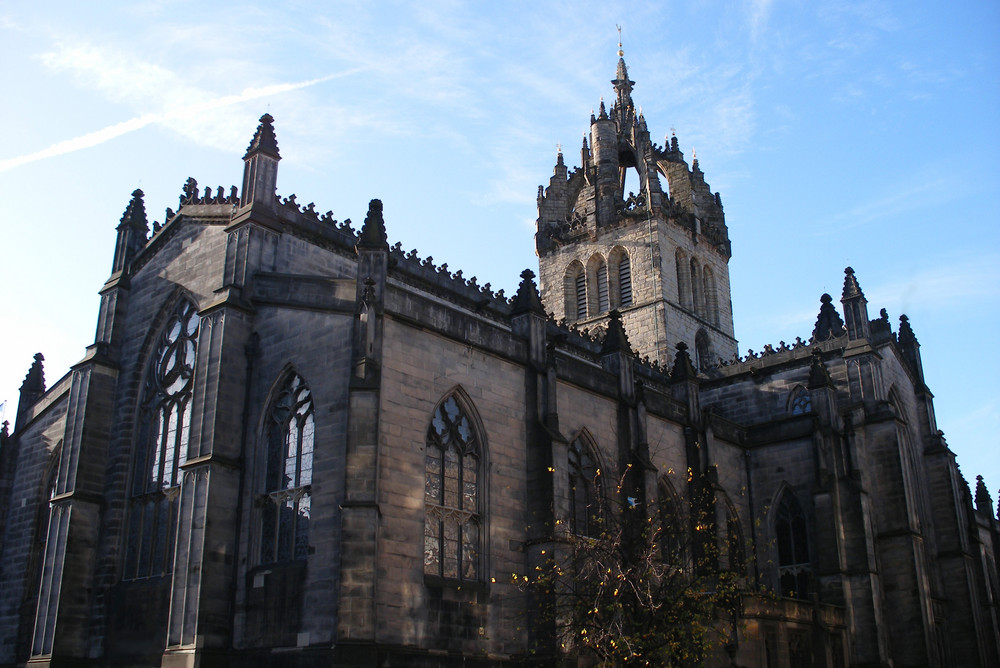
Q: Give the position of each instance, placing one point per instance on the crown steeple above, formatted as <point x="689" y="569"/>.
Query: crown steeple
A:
<point x="590" y="217"/>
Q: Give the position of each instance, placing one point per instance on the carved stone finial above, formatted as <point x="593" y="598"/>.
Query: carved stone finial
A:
<point x="615" y="339"/>
<point x="851" y="287"/>
<point x="683" y="368"/>
<point x="984" y="504"/>
<point x="819" y="376"/>
<point x="527" y="299"/>
<point x="828" y="323"/>
<point x="373" y="230"/>
<point x="264" y="140"/>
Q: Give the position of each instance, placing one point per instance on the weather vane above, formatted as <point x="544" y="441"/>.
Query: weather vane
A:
<point x="620" y="52"/>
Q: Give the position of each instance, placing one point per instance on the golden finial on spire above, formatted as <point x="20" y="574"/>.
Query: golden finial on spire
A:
<point x="559" y="147"/>
<point x="620" y="52"/>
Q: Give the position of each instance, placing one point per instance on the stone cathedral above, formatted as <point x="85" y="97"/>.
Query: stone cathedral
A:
<point x="295" y="444"/>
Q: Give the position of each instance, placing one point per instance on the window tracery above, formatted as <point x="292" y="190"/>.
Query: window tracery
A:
<point x="452" y="523"/>
<point x="161" y="447"/>
<point x="799" y="402"/>
<point x="286" y="505"/>
<point x="794" y="565"/>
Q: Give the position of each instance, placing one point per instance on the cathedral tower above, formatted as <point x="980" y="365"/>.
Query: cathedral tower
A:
<point x="659" y="255"/>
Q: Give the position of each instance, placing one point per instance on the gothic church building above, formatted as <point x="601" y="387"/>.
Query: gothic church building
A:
<point x="294" y="444"/>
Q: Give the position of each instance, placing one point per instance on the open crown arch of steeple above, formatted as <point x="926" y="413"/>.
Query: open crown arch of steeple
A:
<point x="580" y="202"/>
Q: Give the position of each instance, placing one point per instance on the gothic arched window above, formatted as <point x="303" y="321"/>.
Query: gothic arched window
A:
<point x="683" y="279"/>
<point x="735" y="545"/>
<point x="584" y="491"/>
<point x="161" y="447"/>
<point x="575" y="291"/>
<point x="620" y="276"/>
<point x="703" y="350"/>
<point x="625" y="281"/>
<point x="711" y="296"/>
<point x="597" y="276"/>
<point x="452" y="524"/>
<point x="672" y="529"/>
<point x="799" y="402"/>
<point x="794" y="565"/>
<point x="697" y="294"/>
<point x="289" y="434"/>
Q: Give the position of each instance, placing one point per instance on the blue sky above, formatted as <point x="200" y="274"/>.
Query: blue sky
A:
<point x="838" y="133"/>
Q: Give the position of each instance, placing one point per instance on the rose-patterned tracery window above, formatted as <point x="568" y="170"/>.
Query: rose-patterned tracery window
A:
<point x="161" y="447"/>
<point x="452" y="526"/>
<point x="287" y="499"/>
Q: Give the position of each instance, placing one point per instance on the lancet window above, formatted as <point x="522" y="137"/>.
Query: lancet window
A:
<point x="575" y="292"/>
<point x="452" y="495"/>
<point x="794" y="565"/>
<point x="161" y="447"/>
<point x="672" y="529"/>
<point x="584" y="490"/>
<point x="286" y="504"/>
<point x="683" y="279"/>
<point x="620" y="276"/>
<point x="625" y="281"/>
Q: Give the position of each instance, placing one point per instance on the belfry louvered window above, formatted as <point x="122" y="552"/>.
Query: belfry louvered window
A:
<point x="452" y="526"/>
<point x="625" y="280"/>
<point x="581" y="295"/>
<point x="603" y="305"/>
<point x="286" y="505"/>
<point x="161" y="447"/>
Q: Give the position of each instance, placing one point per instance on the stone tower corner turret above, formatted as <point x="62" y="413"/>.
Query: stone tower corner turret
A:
<point x="260" y="166"/>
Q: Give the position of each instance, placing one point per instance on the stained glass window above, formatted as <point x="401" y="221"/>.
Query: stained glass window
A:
<point x="451" y="495"/>
<point x="286" y="505"/>
<point x="161" y="447"/>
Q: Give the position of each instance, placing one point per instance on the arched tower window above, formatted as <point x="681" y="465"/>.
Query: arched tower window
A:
<point x="794" y="565"/>
<point x="683" y="279"/>
<point x="697" y="295"/>
<point x="711" y="296"/>
<point x="575" y="291"/>
<point x="620" y="273"/>
<point x="161" y="447"/>
<point x="452" y="494"/>
<point x="597" y="276"/>
<point x="584" y="490"/>
<point x="286" y="503"/>
<point x="799" y="402"/>
<point x="703" y="350"/>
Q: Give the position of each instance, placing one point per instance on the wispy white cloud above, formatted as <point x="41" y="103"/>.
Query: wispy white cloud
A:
<point x="188" y="111"/>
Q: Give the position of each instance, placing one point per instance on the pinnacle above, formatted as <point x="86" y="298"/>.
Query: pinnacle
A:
<point x="135" y="212"/>
<point x="264" y="140"/>
<point x="616" y="340"/>
<point x="34" y="380"/>
<point x="828" y="323"/>
<point x="683" y="368"/>
<point x="527" y="299"/>
<point x="851" y="287"/>
<point x="373" y="230"/>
